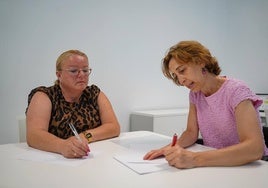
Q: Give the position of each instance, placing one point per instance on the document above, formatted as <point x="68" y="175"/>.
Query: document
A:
<point x="31" y="154"/>
<point x="135" y="162"/>
<point x="137" y="148"/>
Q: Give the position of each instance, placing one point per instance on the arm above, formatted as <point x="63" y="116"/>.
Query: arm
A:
<point x="190" y="135"/>
<point x="37" y="119"/>
<point x="187" y="138"/>
<point x="250" y="147"/>
<point x="110" y="126"/>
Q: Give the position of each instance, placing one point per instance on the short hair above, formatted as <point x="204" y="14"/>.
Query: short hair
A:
<point x="186" y="52"/>
<point x="65" y="55"/>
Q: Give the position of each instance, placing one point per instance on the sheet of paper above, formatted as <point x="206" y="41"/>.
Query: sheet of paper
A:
<point x="31" y="154"/>
<point x="135" y="162"/>
<point x="138" y="147"/>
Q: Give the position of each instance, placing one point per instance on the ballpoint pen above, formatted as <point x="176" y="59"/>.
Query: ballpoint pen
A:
<point x="174" y="139"/>
<point x="75" y="132"/>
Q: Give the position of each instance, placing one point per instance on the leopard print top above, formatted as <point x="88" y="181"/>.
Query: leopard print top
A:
<point x="84" y="115"/>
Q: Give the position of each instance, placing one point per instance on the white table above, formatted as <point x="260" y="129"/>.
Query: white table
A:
<point x="104" y="171"/>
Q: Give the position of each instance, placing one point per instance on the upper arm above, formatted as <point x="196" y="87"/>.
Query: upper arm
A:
<point x="39" y="112"/>
<point x="192" y="125"/>
<point x="247" y="122"/>
<point x="107" y="114"/>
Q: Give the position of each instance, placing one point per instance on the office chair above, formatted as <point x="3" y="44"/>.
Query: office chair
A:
<point x="265" y="135"/>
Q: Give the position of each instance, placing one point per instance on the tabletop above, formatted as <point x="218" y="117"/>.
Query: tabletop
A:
<point x="101" y="170"/>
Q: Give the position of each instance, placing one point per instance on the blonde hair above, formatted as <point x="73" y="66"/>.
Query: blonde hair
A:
<point x="190" y="51"/>
<point x="65" y="55"/>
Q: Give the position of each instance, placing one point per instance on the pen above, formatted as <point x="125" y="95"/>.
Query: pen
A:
<point x="174" y="139"/>
<point x="75" y="132"/>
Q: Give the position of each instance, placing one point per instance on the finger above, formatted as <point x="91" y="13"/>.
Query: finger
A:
<point x="147" y="156"/>
<point x="81" y="146"/>
<point x="154" y="154"/>
<point x="78" y="150"/>
<point x="80" y="153"/>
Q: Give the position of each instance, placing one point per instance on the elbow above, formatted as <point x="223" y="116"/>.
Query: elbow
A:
<point x="258" y="152"/>
<point x="117" y="129"/>
<point x="29" y="139"/>
<point x="114" y="129"/>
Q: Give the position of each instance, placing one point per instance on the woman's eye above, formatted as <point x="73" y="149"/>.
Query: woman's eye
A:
<point x="73" y="71"/>
<point x="181" y="71"/>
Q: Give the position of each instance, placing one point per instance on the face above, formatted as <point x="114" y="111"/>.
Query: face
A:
<point x="74" y="73"/>
<point x="189" y="75"/>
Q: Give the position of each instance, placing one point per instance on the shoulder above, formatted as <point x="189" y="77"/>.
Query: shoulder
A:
<point x="41" y="90"/>
<point x="238" y="91"/>
<point x="234" y="84"/>
<point x="236" y="87"/>
<point x="44" y="89"/>
<point x="92" y="92"/>
<point x="92" y="89"/>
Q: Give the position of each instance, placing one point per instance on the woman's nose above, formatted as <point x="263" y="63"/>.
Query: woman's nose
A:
<point x="181" y="80"/>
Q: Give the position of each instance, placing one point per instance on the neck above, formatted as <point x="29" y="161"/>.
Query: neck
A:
<point x="70" y="96"/>
<point x="214" y="85"/>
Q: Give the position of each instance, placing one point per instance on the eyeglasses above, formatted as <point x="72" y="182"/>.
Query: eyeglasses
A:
<point x="75" y="72"/>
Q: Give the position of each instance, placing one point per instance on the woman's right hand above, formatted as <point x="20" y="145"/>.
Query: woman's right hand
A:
<point x="73" y="148"/>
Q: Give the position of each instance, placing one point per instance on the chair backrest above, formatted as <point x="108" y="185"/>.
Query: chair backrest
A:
<point x="22" y="128"/>
<point x="265" y="134"/>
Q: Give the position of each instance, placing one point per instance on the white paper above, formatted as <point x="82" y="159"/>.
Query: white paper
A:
<point x="36" y="155"/>
<point x="137" y="148"/>
<point x="135" y="162"/>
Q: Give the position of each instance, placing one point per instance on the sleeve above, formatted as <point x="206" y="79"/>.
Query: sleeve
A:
<point x="30" y="96"/>
<point x="93" y="92"/>
<point x="242" y="92"/>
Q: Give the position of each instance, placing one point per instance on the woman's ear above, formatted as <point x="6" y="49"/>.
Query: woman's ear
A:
<point x="58" y="74"/>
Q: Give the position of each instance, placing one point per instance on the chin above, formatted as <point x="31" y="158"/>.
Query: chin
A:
<point x="81" y="86"/>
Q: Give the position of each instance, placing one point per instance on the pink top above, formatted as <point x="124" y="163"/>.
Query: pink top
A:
<point x="216" y="113"/>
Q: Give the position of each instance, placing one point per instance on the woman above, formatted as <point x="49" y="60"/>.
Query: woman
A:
<point x="70" y="101"/>
<point x="224" y="110"/>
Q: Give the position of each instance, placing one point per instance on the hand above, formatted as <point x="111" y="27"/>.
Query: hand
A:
<point x="179" y="157"/>
<point x="154" y="154"/>
<point x="73" y="148"/>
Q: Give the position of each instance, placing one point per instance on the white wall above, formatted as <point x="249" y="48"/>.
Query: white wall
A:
<point x="125" y="41"/>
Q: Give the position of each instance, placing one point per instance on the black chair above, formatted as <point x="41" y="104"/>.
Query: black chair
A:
<point x="199" y="141"/>
<point x="265" y="134"/>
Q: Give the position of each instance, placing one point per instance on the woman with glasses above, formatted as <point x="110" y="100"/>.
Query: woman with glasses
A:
<point x="65" y="117"/>
<point x="224" y="110"/>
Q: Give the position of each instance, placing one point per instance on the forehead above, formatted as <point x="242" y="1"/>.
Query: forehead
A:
<point x="76" y="60"/>
<point x="174" y="64"/>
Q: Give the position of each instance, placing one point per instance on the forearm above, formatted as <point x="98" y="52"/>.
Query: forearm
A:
<point x="186" y="139"/>
<point x="43" y="140"/>
<point x="235" y="155"/>
<point x="107" y="130"/>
